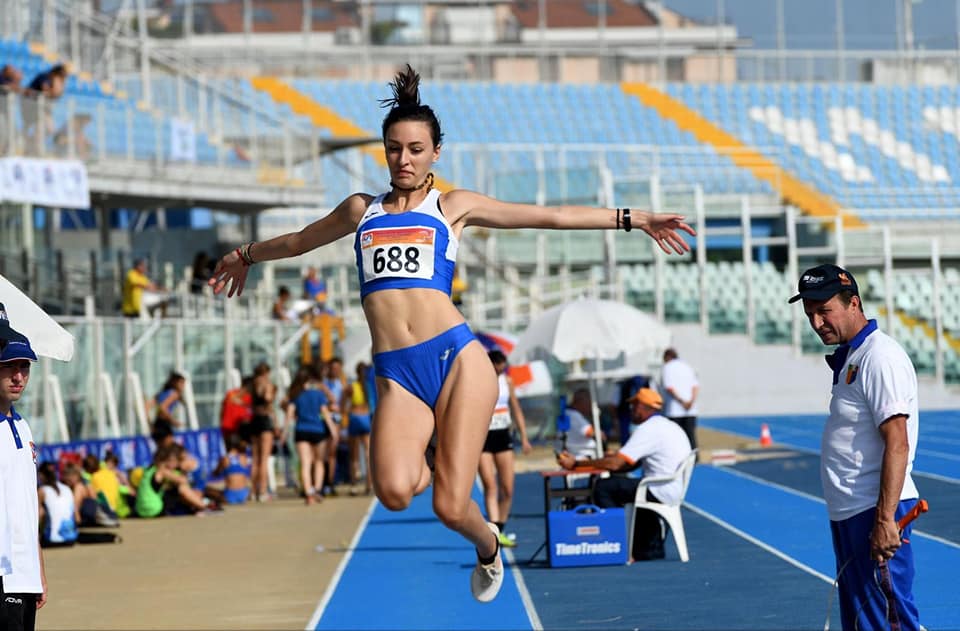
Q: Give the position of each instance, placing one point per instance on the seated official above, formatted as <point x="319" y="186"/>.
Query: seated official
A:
<point x="658" y="445"/>
<point x="580" y="439"/>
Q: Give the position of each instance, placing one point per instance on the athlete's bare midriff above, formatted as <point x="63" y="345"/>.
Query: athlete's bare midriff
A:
<point x="399" y="318"/>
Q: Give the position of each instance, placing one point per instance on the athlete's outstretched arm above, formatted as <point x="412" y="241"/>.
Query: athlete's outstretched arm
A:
<point x="474" y="209"/>
<point x="231" y="269"/>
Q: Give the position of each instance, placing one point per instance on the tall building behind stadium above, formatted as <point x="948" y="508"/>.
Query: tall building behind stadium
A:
<point x="191" y="126"/>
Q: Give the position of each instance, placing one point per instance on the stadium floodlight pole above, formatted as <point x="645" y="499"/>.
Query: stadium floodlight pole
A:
<point x="720" y="13"/>
<point x="908" y="26"/>
<point x="661" y="44"/>
<point x="781" y="41"/>
<point x="841" y="58"/>
<point x="144" y="53"/>
<point x="187" y="20"/>
<point x="542" y="31"/>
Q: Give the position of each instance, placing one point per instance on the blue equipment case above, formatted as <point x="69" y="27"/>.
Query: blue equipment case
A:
<point x="587" y="535"/>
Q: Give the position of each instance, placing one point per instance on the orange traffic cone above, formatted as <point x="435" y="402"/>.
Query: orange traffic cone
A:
<point x="765" y="439"/>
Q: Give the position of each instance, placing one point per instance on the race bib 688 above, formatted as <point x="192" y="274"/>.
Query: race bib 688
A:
<point x="398" y="252"/>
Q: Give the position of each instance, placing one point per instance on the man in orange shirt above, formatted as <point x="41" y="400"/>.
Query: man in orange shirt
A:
<point x="236" y="410"/>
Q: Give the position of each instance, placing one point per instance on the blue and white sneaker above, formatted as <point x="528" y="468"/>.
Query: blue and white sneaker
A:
<point x="486" y="580"/>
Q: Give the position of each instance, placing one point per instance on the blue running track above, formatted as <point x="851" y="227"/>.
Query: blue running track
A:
<point x="408" y="571"/>
<point x="938" y="452"/>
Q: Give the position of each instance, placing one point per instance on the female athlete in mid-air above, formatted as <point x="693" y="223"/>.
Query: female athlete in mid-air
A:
<point x="430" y="371"/>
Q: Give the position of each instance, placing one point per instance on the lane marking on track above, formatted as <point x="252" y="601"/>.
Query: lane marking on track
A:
<point x="338" y="574"/>
<point x="758" y="480"/>
<point x="758" y="543"/>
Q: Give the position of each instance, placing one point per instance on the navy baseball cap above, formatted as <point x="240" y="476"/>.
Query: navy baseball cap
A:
<point x="824" y="282"/>
<point x="7" y="333"/>
<point x="15" y="351"/>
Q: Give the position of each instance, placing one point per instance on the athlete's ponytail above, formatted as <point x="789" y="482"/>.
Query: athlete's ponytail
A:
<point x="405" y="105"/>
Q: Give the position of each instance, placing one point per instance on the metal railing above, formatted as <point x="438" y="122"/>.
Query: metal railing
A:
<point x="99" y="130"/>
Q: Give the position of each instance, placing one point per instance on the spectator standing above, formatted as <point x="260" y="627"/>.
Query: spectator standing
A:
<point x="10" y="80"/>
<point x="134" y="283"/>
<point x="166" y="402"/>
<point x="236" y="411"/>
<point x="200" y="272"/>
<point x="38" y="122"/>
<point x="336" y="383"/>
<point x="281" y="308"/>
<point x="308" y="408"/>
<point x="25" y="585"/>
<point x="315" y="288"/>
<point x="580" y="438"/>
<point x="660" y="447"/>
<point x="869" y="442"/>
<point x="51" y="83"/>
<point x="680" y="388"/>
<point x="356" y="407"/>
<point x="262" y="428"/>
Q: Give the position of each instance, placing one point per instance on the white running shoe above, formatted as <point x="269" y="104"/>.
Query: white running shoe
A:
<point x="486" y="580"/>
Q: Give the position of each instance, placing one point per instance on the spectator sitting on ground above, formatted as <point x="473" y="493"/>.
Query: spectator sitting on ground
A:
<point x="58" y="523"/>
<point x="232" y="475"/>
<point x="105" y="485"/>
<point x="165" y="491"/>
<point x="87" y="510"/>
<point x="112" y="463"/>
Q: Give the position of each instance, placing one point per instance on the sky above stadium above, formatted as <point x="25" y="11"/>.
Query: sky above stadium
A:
<point x="869" y="24"/>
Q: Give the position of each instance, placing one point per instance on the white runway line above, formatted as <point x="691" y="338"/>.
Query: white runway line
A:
<point x="332" y="587"/>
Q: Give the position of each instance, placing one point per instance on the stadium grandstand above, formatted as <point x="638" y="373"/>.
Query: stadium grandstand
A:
<point x="191" y="126"/>
<point x="178" y="133"/>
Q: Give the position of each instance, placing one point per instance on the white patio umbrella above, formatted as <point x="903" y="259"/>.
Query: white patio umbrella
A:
<point x="47" y="338"/>
<point x="589" y="328"/>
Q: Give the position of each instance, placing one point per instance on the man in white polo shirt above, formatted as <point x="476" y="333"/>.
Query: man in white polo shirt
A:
<point x="867" y="452"/>
<point x="24" y="588"/>
<point x="680" y="389"/>
<point x="658" y="445"/>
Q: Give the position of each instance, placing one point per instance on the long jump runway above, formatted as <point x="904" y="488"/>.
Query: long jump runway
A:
<point x="760" y="558"/>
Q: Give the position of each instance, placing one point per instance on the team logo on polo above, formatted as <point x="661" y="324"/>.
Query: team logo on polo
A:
<point x="852" y="370"/>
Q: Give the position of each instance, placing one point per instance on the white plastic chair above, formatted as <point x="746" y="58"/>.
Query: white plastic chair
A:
<point x="669" y="512"/>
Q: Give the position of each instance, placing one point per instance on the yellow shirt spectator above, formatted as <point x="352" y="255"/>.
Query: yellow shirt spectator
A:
<point x="133" y="285"/>
<point x="105" y="481"/>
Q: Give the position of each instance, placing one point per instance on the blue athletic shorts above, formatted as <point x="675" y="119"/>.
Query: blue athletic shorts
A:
<point x="422" y="368"/>
<point x="236" y="496"/>
<point x="359" y="424"/>
<point x="867" y="598"/>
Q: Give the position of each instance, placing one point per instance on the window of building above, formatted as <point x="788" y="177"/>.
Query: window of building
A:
<point x="593" y="7"/>
<point x="263" y="15"/>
